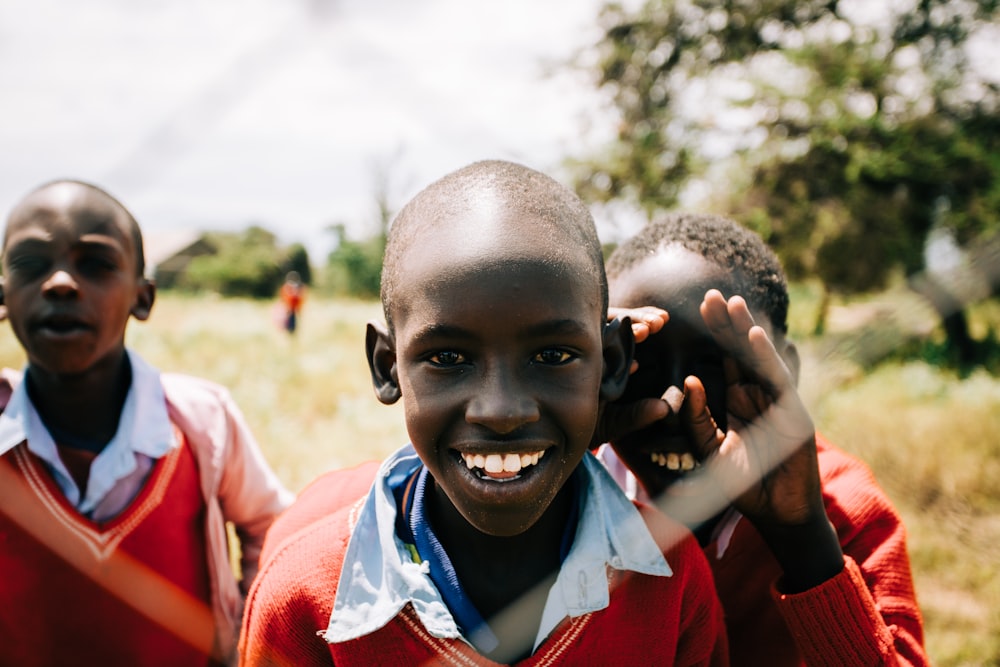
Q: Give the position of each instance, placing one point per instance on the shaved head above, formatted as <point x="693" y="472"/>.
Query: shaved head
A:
<point x="84" y="199"/>
<point x="492" y="200"/>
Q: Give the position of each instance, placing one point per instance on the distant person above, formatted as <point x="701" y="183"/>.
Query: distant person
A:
<point x="808" y="553"/>
<point x="496" y="535"/>
<point x="116" y="481"/>
<point x="292" y="294"/>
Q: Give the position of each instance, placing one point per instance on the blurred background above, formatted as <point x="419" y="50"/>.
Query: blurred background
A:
<point x="860" y="139"/>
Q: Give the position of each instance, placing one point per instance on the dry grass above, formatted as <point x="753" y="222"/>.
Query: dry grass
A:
<point x="932" y="439"/>
<point x="309" y="400"/>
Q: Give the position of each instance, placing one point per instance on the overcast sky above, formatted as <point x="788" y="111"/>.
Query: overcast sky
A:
<point x="218" y="114"/>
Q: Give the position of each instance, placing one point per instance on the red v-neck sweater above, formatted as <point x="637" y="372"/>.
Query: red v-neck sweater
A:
<point x="650" y="620"/>
<point x="865" y="616"/>
<point x="131" y="591"/>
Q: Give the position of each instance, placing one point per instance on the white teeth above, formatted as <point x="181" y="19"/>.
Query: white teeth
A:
<point x="499" y="463"/>
<point x="494" y="463"/>
<point x="674" y="461"/>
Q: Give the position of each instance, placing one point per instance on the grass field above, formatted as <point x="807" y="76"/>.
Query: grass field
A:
<point x="932" y="438"/>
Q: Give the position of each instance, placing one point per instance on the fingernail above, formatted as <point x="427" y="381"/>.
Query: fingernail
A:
<point x="674" y="397"/>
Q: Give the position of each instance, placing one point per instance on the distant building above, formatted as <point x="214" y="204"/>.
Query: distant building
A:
<point x="168" y="253"/>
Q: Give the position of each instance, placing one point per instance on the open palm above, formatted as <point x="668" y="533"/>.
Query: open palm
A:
<point x="765" y="462"/>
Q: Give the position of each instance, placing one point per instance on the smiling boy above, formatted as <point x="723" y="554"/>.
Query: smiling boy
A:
<point x="116" y="482"/>
<point x="808" y="553"/>
<point x="495" y="536"/>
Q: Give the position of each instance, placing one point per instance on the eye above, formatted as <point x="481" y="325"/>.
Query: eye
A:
<point x="97" y="264"/>
<point x="553" y="356"/>
<point x="29" y="266"/>
<point x="447" y="358"/>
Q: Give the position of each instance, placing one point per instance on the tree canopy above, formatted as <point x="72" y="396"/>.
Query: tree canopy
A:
<point x="843" y="132"/>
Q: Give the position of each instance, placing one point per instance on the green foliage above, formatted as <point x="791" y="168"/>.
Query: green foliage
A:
<point x="297" y="259"/>
<point x="856" y="136"/>
<point x="247" y="264"/>
<point x="355" y="267"/>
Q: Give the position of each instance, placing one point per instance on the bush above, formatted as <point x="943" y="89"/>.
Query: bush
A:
<point x="247" y="264"/>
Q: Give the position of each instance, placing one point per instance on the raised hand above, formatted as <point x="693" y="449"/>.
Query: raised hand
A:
<point x="766" y="461"/>
<point x="618" y="419"/>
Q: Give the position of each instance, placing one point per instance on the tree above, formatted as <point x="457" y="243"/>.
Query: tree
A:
<point x="246" y="264"/>
<point x="297" y="259"/>
<point x="853" y="136"/>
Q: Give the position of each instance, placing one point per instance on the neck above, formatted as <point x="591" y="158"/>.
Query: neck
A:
<point x="89" y="404"/>
<point x="506" y="578"/>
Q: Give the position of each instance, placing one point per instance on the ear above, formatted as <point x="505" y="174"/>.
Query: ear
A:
<point x="144" y="298"/>
<point x="790" y="355"/>
<point x="380" y="345"/>
<point x="619" y="347"/>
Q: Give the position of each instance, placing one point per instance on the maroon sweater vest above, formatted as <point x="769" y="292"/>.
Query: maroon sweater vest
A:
<point x="132" y="591"/>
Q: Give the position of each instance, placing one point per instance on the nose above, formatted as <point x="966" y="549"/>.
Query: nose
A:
<point x="502" y="402"/>
<point x="60" y="284"/>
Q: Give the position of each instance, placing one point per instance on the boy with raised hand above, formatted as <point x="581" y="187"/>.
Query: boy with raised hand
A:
<point x="808" y="553"/>
<point x="495" y="537"/>
<point x="116" y="482"/>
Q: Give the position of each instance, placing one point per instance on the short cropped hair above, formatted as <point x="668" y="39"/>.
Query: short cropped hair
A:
<point x="133" y="224"/>
<point x="756" y="271"/>
<point x="520" y="189"/>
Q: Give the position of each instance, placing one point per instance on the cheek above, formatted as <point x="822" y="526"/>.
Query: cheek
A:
<point x="579" y="405"/>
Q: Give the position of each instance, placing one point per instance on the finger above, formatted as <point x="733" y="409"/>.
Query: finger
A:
<point x="696" y="416"/>
<point x="715" y="313"/>
<point x="646" y="320"/>
<point x="621" y="419"/>
<point x="767" y="364"/>
<point x="740" y="315"/>
<point x="734" y="329"/>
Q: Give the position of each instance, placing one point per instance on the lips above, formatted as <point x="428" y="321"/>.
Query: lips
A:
<point x="61" y="325"/>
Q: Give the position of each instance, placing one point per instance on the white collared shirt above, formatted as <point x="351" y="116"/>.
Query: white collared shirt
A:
<point x="722" y="534"/>
<point x="380" y="577"/>
<point x="144" y="435"/>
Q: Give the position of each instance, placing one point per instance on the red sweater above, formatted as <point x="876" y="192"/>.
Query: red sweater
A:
<point x="134" y="590"/>
<point x="867" y="615"/>
<point x="676" y="618"/>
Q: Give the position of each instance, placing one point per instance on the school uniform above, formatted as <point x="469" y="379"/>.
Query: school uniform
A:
<point x="134" y="568"/>
<point x="866" y="615"/>
<point x="367" y="583"/>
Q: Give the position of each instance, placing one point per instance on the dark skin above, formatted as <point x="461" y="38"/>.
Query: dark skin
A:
<point x="72" y="282"/>
<point x="498" y="350"/>
<point x="760" y="456"/>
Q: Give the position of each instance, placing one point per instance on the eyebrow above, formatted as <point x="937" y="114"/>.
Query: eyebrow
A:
<point x="564" y="327"/>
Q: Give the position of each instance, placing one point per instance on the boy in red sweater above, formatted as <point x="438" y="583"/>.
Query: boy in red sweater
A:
<point x="496" y="537"/>
<point x="116" y="482"/>
<point x="809" y="555"/>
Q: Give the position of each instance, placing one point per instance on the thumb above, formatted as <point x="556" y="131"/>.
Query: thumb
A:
<point x="621" y="419"/>
<point x="704" y="432"/>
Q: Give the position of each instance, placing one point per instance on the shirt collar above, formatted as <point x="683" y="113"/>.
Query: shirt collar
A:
<point x="380" y="575"/>
<point x="143" y="428"/>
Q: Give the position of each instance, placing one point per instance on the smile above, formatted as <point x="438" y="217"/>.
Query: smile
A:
<point x="674" y="461"/>
<point x="501" y="467"/>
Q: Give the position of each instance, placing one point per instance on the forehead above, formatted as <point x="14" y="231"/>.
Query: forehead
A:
<point x="69" y="210"/>
<point x="673" y="278"/>
<point x="503" y="259"/>
<point x="676" y="279"/>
